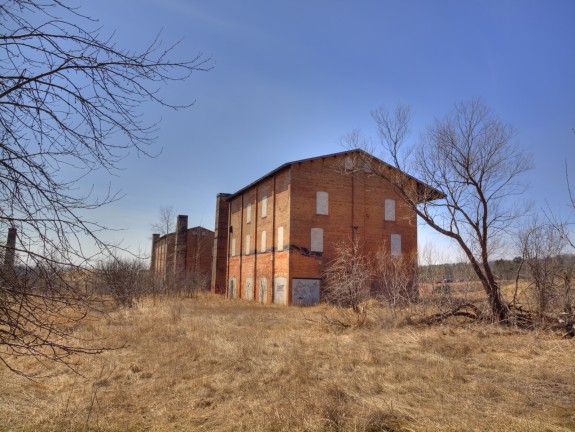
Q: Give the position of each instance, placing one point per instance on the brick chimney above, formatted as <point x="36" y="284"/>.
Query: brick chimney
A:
<point x="181" y="246"/>
<point x="220" y="251"/>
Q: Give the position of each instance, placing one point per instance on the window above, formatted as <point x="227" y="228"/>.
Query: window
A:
<point x="348" y="164"/>
<point x="264" y="206"/>
<point x="395" y="245"/>
<point x="233" y="246"/>
<point x="317" y="240"/>
<point x="281" y="238"/>
<point x="248" y="244"/>
<point x="263" y="291"/>
<point x="249" y="213"/>
<point x="280" y="291"/>
<point x="321" y="204"/>
<point x="232" y="291"/>
<point x="389" y="210"/>
<point x="264" y="240"/>
<point x="249" y="289"/>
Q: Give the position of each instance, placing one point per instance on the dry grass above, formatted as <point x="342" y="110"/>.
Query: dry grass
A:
<point x="212" y="364"/>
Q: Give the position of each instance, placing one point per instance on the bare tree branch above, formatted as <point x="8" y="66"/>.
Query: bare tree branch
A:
<point x="468" y="156"/>
<point x="71" y="102"/>
<point x="166" y="222"/>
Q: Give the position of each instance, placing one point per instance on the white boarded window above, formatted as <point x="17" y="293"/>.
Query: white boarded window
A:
<point x="248" y="244"/>
<point x="395" y="245"/>
<point x="264" y="206"/>
<point x="249" y="289"/>
<point x="389" y="210"/>
<point x="233" y="246"/>
<point x="321" y="204"/>
<point x="264" y="240"/>
<point x="249" y="213"/>
<point x="281" y="238"/>
<point x="348" y="164"/>
<point x="317" y="240"/>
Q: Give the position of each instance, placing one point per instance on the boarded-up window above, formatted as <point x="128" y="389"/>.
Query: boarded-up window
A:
<point x="395" y="245"/>
<point x="317" y="240"/>
<point x="233" y="246"/>
<point x="263" y="291"/>
<point x="232" y="291"/>
<point x="264" y="240"/>
<point x="348" y="164"/>
<point x="264" y="206"/>
<point x="249" y="213"/>
<point x="248" y="238"/>
<point x="249" y="289"/>
<point x="305" y="291"/>
<point x="389" y="210"/>
<point x="280" y="290"/>
<point x="321" y="204"/>
<point x="281" y="238"/>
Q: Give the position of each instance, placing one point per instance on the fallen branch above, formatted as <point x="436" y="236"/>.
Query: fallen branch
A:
<point x="467" y="310"/>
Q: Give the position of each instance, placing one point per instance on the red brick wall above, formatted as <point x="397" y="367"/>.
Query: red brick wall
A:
<point x="196" y="253"/>
<point x="199" y="251"/>
<point x="356" y="211"/>
<point x="259" y="267"/>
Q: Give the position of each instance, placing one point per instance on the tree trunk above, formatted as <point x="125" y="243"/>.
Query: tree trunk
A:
<point x="499" y="310"/>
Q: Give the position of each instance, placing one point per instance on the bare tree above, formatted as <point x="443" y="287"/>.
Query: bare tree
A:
<point x="166" y="222"/>
<point x="470" y="157"/>
<point x="71" y="102"/>
<point x="563" y="227"/>
<point x="354" y="277"/>
<point x="348" y="277"/>
<point x="541" y="246"/>
<point x="394" y="277"/>
<point x="125" y="280"/>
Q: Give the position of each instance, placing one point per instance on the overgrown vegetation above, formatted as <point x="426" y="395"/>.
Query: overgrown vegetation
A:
<point x="222" y="365"/>
<point x="538" y="288"/>
<point x="127" y="280"/>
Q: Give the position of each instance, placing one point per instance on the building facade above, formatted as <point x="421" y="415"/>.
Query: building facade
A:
<point x="182" y="253"/>
<point x="275" y="237"/>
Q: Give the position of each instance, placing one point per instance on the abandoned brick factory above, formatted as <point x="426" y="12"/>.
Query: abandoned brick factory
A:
<point x="274" y="237"/>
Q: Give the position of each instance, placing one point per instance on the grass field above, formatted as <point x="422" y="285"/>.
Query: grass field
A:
<point x="218" y="365"/>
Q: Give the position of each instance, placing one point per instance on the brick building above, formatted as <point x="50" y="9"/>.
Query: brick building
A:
<point x="183" y="252"/>
<point x="274" y="237"/>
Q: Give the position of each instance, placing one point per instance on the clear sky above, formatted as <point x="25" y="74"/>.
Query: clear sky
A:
<point x="291" y="77"/>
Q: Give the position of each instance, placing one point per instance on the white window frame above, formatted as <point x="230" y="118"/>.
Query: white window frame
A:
<point x="264" y="206"/>
<point x="263" y="242"/>
<point x="395" y="245"/>
<point x="249" y="213"/>
<point x="321" y="203"/>
<point x="389" y="210"/>
<point x="280" y="238"/>
<point x="316" y="240"/>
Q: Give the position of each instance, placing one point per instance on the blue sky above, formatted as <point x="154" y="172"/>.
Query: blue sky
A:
<point x="290" y="78"/>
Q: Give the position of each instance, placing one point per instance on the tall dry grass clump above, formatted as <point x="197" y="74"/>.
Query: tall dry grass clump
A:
<point x="220" y="365"/>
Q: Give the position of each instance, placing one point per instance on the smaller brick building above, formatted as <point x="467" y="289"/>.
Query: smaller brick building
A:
<point x="185" y="252"/>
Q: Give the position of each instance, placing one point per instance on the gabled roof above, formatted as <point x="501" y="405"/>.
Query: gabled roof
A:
<point x="430" y="192"/>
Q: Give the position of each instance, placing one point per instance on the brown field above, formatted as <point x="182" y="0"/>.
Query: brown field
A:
<point x="219" y="365"/>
